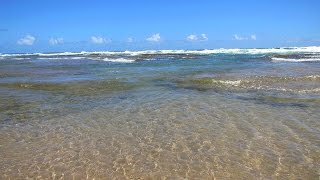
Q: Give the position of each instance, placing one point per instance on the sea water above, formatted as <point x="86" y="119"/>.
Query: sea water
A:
<point x="175" y="114"/>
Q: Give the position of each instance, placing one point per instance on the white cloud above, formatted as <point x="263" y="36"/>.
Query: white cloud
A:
<point x="130" y="40"/>
<point x="204" y="37"/>
<point x="27" y="40"/>
<point x="195" y="37"/>
<point x="253" y="37"/>
<point x="192" y="37"/>
<point x="55" y="41"/>
<point x="154" y="38"/>
<point x="241" y="38"/>
<point x="99" y="40"/>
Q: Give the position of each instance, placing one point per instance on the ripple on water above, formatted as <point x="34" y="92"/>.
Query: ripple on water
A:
<point x="185" y="136"/>
<point x="304" y="84"/>
<point x="205" y="117"/>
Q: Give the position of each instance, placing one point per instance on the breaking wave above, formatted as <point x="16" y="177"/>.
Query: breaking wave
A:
<point x="302" y="84"/>
<point x="296" y="60"/>
<point x="119" y="60"/>
<point x="289" y="54"/>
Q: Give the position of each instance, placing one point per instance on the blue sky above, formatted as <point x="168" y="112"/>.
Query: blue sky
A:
<point x="83" y="25"/>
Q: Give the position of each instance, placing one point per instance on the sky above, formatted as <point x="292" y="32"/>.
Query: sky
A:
<point x="118" y="25"/>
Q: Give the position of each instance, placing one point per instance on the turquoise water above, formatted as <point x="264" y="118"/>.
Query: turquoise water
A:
<point x="175" y="115"/>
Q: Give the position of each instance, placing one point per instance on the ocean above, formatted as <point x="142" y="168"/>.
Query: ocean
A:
<point x="166" y="114"/>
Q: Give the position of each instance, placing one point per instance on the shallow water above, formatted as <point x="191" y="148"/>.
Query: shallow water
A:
<point x="223" y="116"/>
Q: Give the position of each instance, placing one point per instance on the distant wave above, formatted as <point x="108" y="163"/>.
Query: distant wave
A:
<point x="300" y="54"/>
<point x="310" y="49"/>
<point x="311" y="84"/>
<point x="119" y="60"/>
<point x="296" y="60"/>
<point x="297" y="57"/>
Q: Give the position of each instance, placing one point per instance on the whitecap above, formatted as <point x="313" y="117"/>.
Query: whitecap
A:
<point x="295" y="60"/>
<point x="119" y="60"/>
<point x="314" y="50"/>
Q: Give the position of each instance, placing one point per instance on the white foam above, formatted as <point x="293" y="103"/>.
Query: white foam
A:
<point x="313" y="76"/>
<point x="232" y="83"/>
<point x="316" y="90"/>
<point x="313" y="49"/>
<point x="20" y="58"/>
<point x="296" y="60"/>
<point x="310" y="49"/>
<point x="119" y="60"/>
<point x="60" y="54"/>
<point x="61" y="58"/>
<point x="284" y="50"/>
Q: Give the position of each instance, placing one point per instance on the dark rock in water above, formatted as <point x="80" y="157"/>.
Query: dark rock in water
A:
<point x="81" y="88"/>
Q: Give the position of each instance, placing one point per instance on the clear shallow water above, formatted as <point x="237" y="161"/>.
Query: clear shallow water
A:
<point x="189" y="115"/>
